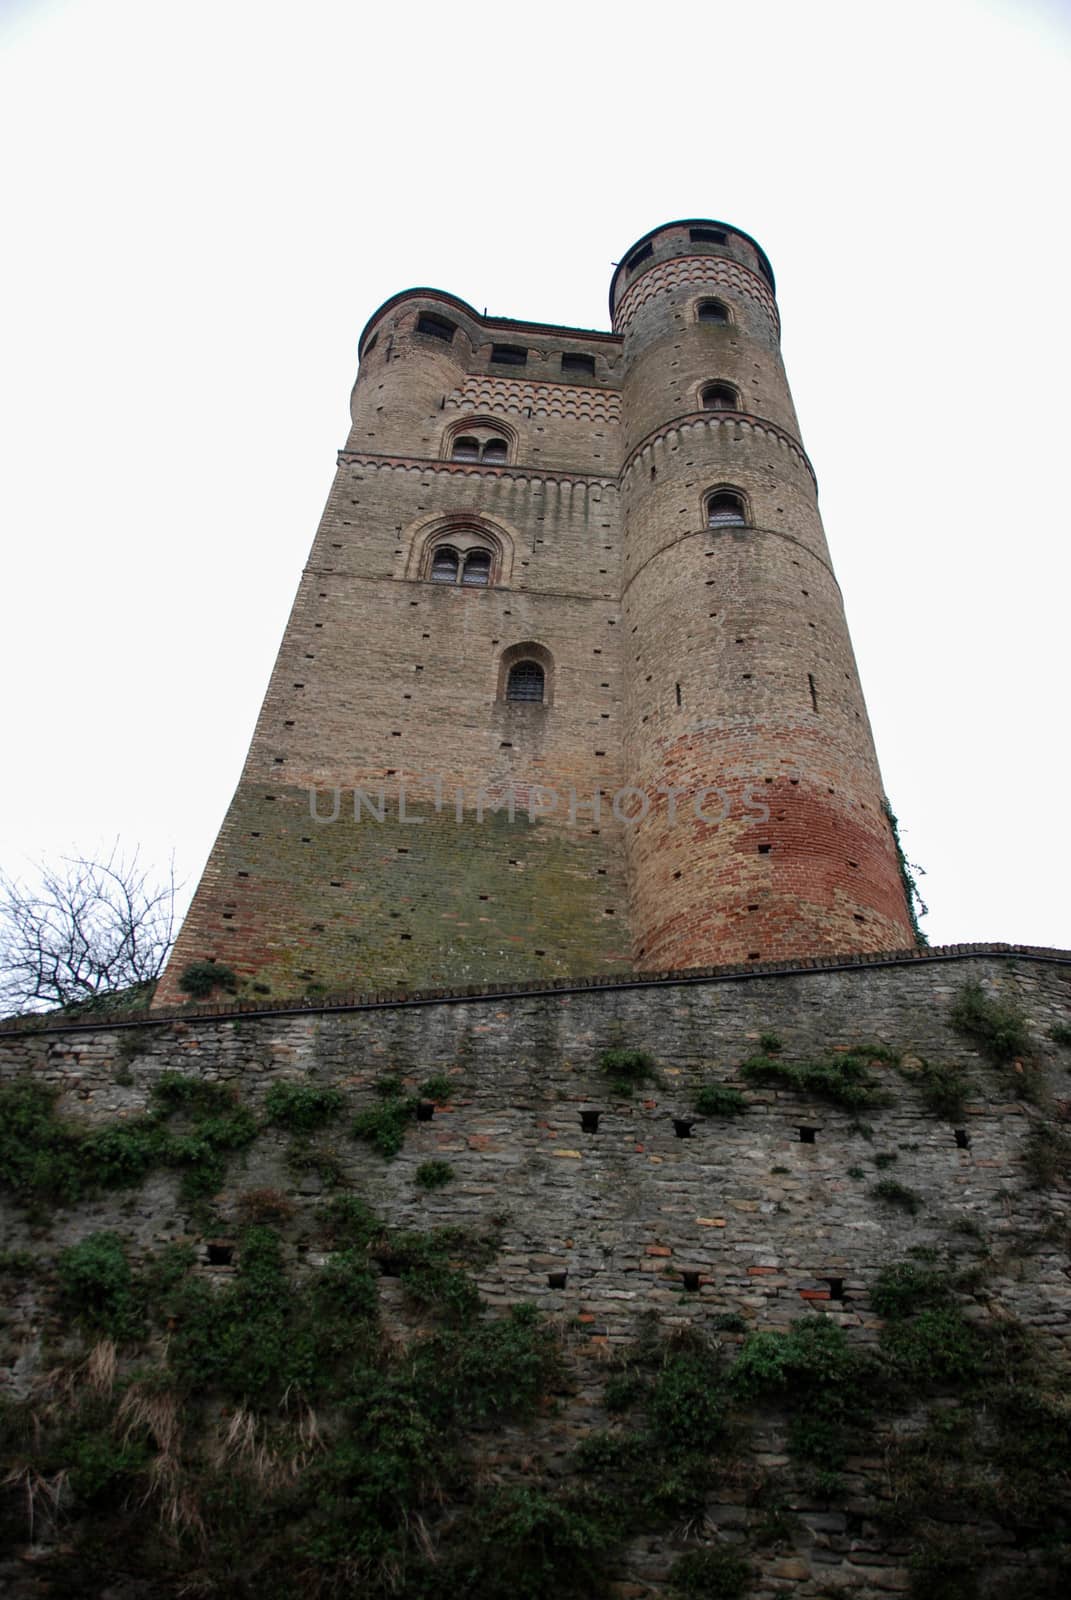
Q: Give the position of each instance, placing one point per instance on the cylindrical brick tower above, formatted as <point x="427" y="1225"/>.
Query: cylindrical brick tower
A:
<point x="762" y="830"/>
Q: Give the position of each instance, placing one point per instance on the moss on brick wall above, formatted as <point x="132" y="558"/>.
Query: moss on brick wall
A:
<point x="300" y="906"/>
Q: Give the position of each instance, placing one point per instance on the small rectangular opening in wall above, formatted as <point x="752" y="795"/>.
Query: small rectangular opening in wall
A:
<point x="814" y="691"/>
<point x="678" y="688"/>
<point x="636" y="259"/>
<point x="509" y="355"/>
<point x="808" y="1135"/>
<point x="220" y="1255"/>
<point x="435" y="327"/>
<point x="578" y="366"/>
<point x="764" y="849"/>
<point x="836" y="1288"/>
<point x="690" y="1281"/>
<point x="707" y="236"/>
<point x="963" y="1139"/>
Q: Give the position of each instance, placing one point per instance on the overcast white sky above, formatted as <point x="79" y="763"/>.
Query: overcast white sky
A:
<point x="204" y="201"/>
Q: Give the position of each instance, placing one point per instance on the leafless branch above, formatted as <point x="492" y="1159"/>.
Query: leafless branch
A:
<point x="87" y="928"/>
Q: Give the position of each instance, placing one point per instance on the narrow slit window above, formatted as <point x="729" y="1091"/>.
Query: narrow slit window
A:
<point x="814" y="691"/>
<point x="477" y="572"/>
<point x="525" y="682"/>
<point x="444" y="566"/>
<point x="725" y="510"/>
<point x="720" y="397"/>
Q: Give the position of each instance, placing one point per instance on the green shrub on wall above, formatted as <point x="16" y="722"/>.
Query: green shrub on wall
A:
<point x="301" y="1106"/>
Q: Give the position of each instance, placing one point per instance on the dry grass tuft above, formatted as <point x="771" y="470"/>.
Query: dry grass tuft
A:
<point x="245" y="1443"/>
<point x="157" y="1413"/>
<point x="100" y="1367"/>
<point x="42" y="1496"/>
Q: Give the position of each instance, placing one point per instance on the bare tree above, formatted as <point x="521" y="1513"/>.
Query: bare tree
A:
<point x="87" y="929"/>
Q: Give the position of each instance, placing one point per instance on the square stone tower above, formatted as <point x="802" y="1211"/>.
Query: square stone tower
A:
<point x="567" y="686"/>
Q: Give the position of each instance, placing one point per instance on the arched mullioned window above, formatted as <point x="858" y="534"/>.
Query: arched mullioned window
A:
<point x="471" y="568"/>
<point x="719" y="397"/>
<point x="460" y="548"/>
<point x="476" y="440"/>
<point x="726" y="509"/>
<point x="712" y="311"/>
<point x="526" y="681"/>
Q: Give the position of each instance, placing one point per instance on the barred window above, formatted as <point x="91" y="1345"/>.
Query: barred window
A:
<point x="494" y="451"/>
<point x="465" y="449"/>
<point x="525" y="682"/>
<point x="726" y="510"/>
<point x="444" y="565"/>
<point x="476" y="572"/>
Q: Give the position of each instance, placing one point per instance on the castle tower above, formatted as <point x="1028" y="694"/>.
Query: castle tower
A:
<point x="738" y="667"/>
<point x="567" y="685"/>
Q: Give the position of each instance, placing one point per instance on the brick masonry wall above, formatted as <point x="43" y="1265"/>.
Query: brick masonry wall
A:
<point x="764" y="1219"/>
<point x="739" y="670"/>
<point x="679" y="656"/>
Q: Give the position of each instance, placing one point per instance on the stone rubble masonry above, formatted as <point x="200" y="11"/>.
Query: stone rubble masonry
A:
<point x="764" y="1219"/>
<point x="680" y="657"/>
